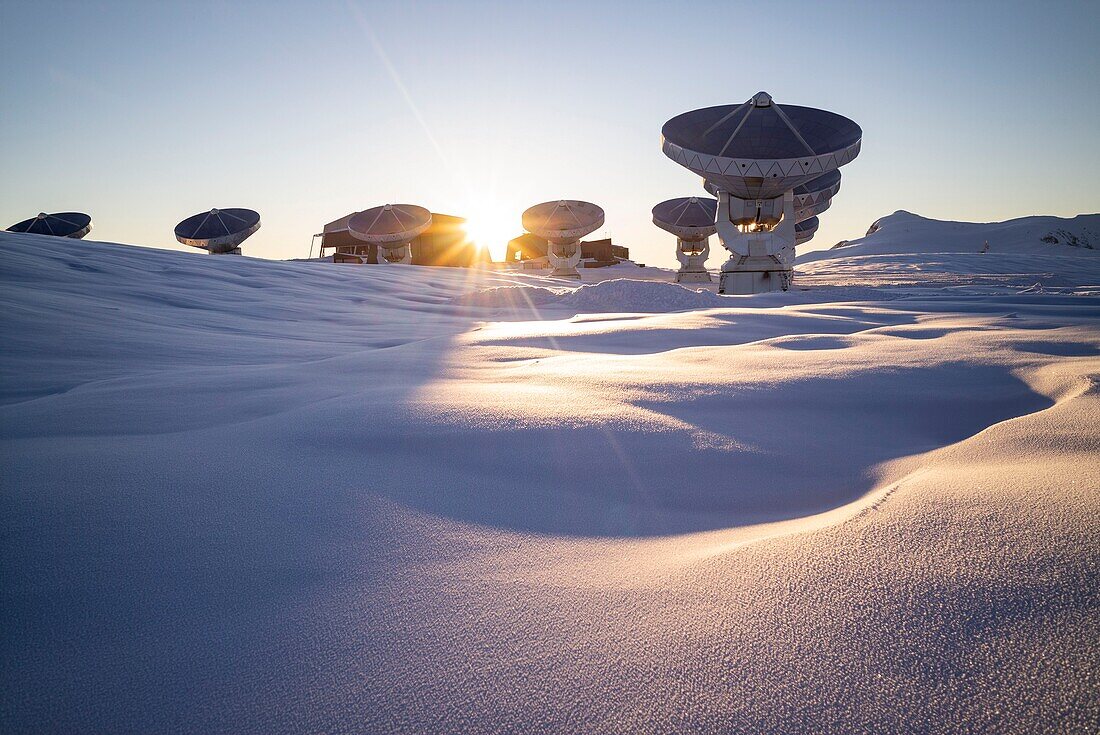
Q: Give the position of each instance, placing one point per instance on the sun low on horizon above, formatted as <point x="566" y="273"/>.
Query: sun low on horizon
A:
<point x="490" y="227"/>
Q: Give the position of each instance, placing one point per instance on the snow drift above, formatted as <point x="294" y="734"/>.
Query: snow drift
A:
<point x="245" y="496"/>
<point x="617" y="295"/>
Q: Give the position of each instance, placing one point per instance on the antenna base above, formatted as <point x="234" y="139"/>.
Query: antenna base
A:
<point x="743" y="276"/>
<point x="759" y="261"/>
<point x="694" y="277"/>
<point x="564" y="258"/>
<point x="401" y="254"/>
<point x="693" y="261"/>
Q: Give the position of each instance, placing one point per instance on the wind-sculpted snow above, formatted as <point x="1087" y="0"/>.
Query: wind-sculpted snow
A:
<point x="246" y="496"/>
<point x="618" y="295"/>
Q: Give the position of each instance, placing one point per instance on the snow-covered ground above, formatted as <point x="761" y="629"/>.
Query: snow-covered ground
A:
<point x="905" y="250"/>
<point x="250" y="496"/>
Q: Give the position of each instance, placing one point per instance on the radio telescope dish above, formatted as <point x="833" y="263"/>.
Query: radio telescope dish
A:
<point x="691" y="220"/>
<point x="812" y="192"/>
<point x="219" y="231"/>
<point x="808" y="201"/>
<point x="563" y="223"/>
<point x="392" y="228"/>
<point x="688" y="218"/>
<point x="770" y="166"/>
<point x="823" y="187"/>
<point x="810" y="198"/>
<point x="811" y="210"/>
<point x="804" y="231"/>
<point x="61" y="224"/>
<point x="760" y="149"/>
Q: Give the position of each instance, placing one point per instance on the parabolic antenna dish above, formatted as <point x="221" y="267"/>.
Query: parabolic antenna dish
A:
<point x="812" y="192"/>
<point x="821" y="188"/>
<point x="810" y="199"/>
<point x="60" y="224"/>
<point x="802" y="214"/>
<point x="760" y="149"/>
<point x="563" y="221"/>
<point x="390" y="224"/>
<point x="804" y="231"/>
<point x="219" y="230"/>
<point x="688" y="218"/>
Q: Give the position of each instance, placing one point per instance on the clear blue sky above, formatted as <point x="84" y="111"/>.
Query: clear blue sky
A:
<point x="143" y="113"/>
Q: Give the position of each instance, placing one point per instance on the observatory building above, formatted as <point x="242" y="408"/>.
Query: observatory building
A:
<point x="562" y="224"/>
<point x="530" y="250"/>
<point x="443" y="242"/>
<point x="60" y="224"/>
<point x="219" y="231"/>
<point x="771" y="167"/>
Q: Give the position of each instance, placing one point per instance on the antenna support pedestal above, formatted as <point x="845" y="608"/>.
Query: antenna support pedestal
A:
<point x="564" y="258"/>
<point x="758" y="262"/>
<point x="399" y="254"/>
<point x="693" y="268"/>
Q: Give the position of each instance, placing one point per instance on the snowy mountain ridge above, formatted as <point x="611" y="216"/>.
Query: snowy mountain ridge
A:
<point x="904" y="232"/>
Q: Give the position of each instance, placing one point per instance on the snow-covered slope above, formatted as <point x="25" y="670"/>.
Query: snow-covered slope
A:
<point x="248" y="496"/>
<point x="904" y="232"/>
<point x="904" y="251"/>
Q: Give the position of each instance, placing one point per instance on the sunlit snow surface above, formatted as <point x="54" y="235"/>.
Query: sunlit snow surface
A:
<point x="252" y="496"/>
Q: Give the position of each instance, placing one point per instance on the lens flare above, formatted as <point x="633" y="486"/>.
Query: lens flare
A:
<point x="491" y="229"/>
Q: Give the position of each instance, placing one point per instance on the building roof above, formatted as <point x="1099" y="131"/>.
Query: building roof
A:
<point x="438" y="221"/>
<point x="528" y="239"/>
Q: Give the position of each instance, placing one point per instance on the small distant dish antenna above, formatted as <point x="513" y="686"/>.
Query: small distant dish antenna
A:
<point x="823" y="187"/>
<point x="60" y="224"/>
<point x="691" y="220"/>
<point x="219" y="231"/>
<point x="801" y="214"/>
<point x="769" y="165"/>
<point x="809" y="199"/>
<point x="392" y="228"/>
<point x="804" y="231"/>
<point x="562" y="224"/>
<point x="814" y="197"/>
